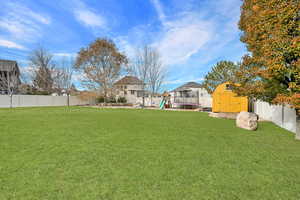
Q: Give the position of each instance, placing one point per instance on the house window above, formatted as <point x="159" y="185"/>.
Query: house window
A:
<point x="125" y="92"/>
<point x="125" y="87"/>
<point x="132" y="92"/>
<point x="139" y="93"/>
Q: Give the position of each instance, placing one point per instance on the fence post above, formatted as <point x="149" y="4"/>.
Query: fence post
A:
<point x="297" y="125"/>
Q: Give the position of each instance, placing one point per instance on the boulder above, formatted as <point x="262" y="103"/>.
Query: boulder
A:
<point x="247" y="121"/>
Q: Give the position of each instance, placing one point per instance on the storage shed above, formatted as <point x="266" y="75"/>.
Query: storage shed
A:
<point x="225" y="100"/>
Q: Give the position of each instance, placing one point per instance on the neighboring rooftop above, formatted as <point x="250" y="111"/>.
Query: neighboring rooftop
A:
<point x="188" y="85"/>
<point x="8" y="65"/>
<point x="129" y="80"/>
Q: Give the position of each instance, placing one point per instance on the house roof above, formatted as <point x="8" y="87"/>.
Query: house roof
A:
<point x="187" y="86"/>
<point x="8" y="65"/>
<point x="129" y="80"/>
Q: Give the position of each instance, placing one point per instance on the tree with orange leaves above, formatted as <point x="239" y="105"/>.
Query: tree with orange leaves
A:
<point x="271" y="31"/>
<point x="100" y="64"/>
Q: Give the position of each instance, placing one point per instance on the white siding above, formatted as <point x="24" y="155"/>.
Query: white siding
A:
<point x="204" y="99"/>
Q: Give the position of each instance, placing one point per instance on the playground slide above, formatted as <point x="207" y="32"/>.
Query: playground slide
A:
<point x="162" y="104"/>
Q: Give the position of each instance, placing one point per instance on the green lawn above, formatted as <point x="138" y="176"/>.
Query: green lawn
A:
<point x="90" y="153"/>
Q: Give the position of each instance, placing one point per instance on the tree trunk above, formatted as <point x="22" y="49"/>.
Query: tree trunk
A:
<point x="297" y="125"/>
<point x="68" y="99"/>
<point x="143" y="101"/>
<point x="105" y="97"/>
<point x="11" y="96"/>
<point x="143" y="98"/>
<point x="9" y="90"/>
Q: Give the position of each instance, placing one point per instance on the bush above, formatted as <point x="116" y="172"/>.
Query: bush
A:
<point x="100" y="99"/>
<point x="111" y="100"/>
<point x="122" y="100"/>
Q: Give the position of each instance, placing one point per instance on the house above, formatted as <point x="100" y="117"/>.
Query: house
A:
<point x="9" y="76"/>
<point x="225" y="100"/>
<point x="190" y="95"/>
<point x="129" y="87"/>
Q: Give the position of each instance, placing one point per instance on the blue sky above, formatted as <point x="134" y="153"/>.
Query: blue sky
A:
<point x="191" y="35"/>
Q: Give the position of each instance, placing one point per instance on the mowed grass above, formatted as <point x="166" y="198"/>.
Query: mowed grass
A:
<point x="91" y="153"/>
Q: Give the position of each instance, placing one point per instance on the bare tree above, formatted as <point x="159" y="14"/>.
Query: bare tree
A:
<point x="101" y="64"/>
<point x="42" y="65"/>
<point x="156" y="73"/>
<point x="9" y="82"/>
<point x="62" y="77"/>
<point x="148" y="68"/>
<point x="140" y="67"/>
<point x="26" y="75"/>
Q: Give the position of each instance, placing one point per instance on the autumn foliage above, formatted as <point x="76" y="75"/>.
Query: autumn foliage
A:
<point x="271" y="33"/>
<point x="100" y="64"/>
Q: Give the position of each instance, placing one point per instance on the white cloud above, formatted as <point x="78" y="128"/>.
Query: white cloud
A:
<point x="10" y="44"/>
<point x="38" y="17"/>
<point x="177" y="40"/>
<point x="21" y="10"/>
<point x="22" y="23"/>
<point x="65" y="54"/>
<point x="193" y="31"/>
<point x="126" y="47"/>
<point x="189" y="36"/>
<point x="87" y="16"/>
<point x="182" y="39"/>
<point x="159" y="9"/>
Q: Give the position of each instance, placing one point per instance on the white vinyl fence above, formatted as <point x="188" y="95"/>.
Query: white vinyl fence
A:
<point x="41" y="100"/>
<point x="282" y="116"/>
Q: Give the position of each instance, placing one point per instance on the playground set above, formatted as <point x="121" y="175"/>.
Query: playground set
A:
<point x="181" y="102"/>
<point x="166" y="101"/>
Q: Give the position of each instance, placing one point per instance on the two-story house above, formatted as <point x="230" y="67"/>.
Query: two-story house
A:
<point x="191" y="94"/>
<point x="129" y="87"/>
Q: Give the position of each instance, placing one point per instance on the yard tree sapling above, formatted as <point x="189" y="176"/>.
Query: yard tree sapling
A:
<point x="9" y="84"/>
<point x="62" y="77"/>
<point x="223" y="71"/>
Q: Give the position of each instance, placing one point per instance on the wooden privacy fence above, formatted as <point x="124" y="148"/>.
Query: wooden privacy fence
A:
<point x="283" y="116"/>
<point x="41" y="100"/>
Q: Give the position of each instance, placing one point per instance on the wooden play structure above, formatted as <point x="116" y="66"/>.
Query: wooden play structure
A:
<point x="225" y="100"/>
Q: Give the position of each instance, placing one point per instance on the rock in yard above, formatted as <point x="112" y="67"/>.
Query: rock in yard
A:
<point x="247" y="121"/>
